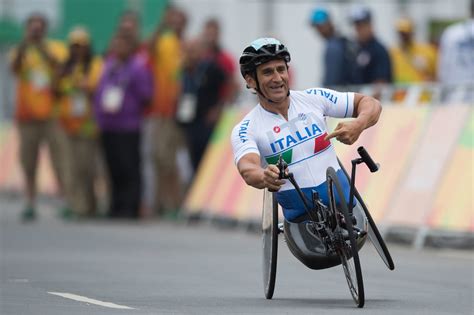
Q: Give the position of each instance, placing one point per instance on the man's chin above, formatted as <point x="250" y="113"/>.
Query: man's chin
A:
<point x="280" y="97"/>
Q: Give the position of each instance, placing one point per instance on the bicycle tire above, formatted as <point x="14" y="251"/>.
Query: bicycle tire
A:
<point x="270" y="242"/>
<point x="348" y="252"/>
<point x="373" y="232"/>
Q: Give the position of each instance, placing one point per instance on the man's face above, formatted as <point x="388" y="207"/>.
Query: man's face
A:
<point x="192" y="52"/>
<point x="129" y="25"/>
<point x="324" y="29"/>
<point x="405" y="37"/>
<point x="36" y="28"/>
<point x="363" y="31"/>
<point x="211" y="34"/>
<point x="273" y="79"/>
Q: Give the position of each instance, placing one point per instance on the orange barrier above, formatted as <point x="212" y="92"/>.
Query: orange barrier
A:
<point x="425" y="179"/>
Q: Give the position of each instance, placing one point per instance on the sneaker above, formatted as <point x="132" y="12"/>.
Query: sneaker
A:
<point x="171" y="215"/>
<point x="28" y="214"/>
<point x="66" y="213"/>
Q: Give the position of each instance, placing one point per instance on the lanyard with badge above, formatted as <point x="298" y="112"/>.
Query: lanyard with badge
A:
<point x="79" y="98"/>
<point x="112" y="97"/>
<point x="38" y="75"/>
<point x="187" y="106"/>
<point x="39" y="79"/>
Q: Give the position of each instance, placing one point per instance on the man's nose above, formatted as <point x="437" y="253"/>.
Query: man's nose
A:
<point x="276" y="76"/>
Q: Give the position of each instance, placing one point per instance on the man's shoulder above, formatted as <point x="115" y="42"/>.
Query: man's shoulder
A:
<point x="378" y="49"/>
<point x="457" y="31"/>
<point x="226" y="61"/>
<point x="379" y="45"/>
<point x="246" y="126"/>
<point x="57" y="48"/>
<point x="308" y="93"/>
<point x="55" y="44"/>
<point x="252" y="119"/>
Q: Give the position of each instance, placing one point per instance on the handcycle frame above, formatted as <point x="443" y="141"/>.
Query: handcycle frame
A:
<point x="313" y="246"/>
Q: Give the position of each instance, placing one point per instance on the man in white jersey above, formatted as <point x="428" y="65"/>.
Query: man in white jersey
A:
<point x="293" y="124"/>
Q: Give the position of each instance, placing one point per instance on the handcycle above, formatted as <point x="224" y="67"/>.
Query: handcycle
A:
<point x="329" y="235"/>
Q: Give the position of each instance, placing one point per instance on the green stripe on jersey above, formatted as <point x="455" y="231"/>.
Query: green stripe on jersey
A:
<point x="287" y="156"/>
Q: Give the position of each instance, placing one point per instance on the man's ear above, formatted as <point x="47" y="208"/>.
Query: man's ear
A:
<point x="251" y="84"/>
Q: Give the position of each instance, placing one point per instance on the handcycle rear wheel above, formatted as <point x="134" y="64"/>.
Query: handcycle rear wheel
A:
<point x="270" y="242"/>
<point x="347" y="251"/>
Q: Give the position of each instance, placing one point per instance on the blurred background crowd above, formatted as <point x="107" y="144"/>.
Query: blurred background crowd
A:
<point x="126" y="94"/>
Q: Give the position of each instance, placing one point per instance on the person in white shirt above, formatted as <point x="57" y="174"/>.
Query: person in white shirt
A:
<point x="456" y="60"/>
<point x="293" y="124"/>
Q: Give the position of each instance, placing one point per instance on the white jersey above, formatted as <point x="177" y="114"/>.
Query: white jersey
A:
<point x="300" y="140"/>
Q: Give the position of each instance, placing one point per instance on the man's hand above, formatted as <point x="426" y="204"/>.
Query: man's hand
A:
<point x="258" y="177"/>
<point x="270" y="178"/>
<point x="366" y="111"/>
<point x="347" y="132"/>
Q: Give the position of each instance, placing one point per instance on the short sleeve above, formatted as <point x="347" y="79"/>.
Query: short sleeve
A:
<point x="242" y="140"/>
<point x="143" y="80"/>
<point x="95" y="72"/>
<point x="332" y="103"/>
<point x="12" y="53"/>
<point x="58" y="50"/>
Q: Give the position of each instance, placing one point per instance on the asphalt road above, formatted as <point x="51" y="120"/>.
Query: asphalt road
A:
<point x="101" y="267"/>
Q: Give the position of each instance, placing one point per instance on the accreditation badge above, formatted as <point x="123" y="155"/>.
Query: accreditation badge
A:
<point x="79" y="104"/>
<point x="186" y="111"/>
<point x="39" y="79"/>
<point x="112" y="99"/>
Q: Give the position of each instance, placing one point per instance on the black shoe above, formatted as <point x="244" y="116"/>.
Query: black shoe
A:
<point x="28" y="214"/>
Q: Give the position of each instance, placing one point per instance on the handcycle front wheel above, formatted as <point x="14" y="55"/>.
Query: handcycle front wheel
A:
<point x="347" y="247"/>
<point x="270" y="242"/>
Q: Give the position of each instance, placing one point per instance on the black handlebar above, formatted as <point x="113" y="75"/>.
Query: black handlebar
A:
<point x="373" y="167"/>
<point x="282" y="166"/>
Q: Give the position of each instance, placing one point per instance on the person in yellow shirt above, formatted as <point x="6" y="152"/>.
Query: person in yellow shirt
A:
<point x="77" y="80"/>
<point x="412" y="61"/>
<point x="34" y="62"/>
<point x="166" y="58"/>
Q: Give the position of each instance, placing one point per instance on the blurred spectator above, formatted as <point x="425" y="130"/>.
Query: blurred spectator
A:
<point x="412" y="61"/>
<point x="124" y="89"/>
<point x="456" y="60"/>
<point x="211" y="37"/>
<point x="165" y="52"/>
<point x="78" y="78"/>
<point x="34" y="62"/>
<point x="200" y="105"/>
<point x="339" y="55"/>
<point x="129" y="25"/>
<point x="372" y="60"/>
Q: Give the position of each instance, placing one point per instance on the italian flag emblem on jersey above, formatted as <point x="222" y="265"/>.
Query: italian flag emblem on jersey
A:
<point x="320" y="144"/>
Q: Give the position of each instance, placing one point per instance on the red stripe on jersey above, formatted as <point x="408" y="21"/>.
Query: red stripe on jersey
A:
<point x="320" y="144"/>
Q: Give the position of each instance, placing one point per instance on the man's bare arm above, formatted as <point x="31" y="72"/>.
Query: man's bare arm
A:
<point x="18" y="58"/>
<point x="366" y="113"/>
<point x="256" y="176"/>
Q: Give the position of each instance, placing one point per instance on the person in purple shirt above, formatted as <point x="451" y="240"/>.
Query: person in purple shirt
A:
<point x="125" y="89"/>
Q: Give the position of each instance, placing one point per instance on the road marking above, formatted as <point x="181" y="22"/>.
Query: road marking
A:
<point x="91" y="301"/>
<point x="18" y="280"/>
